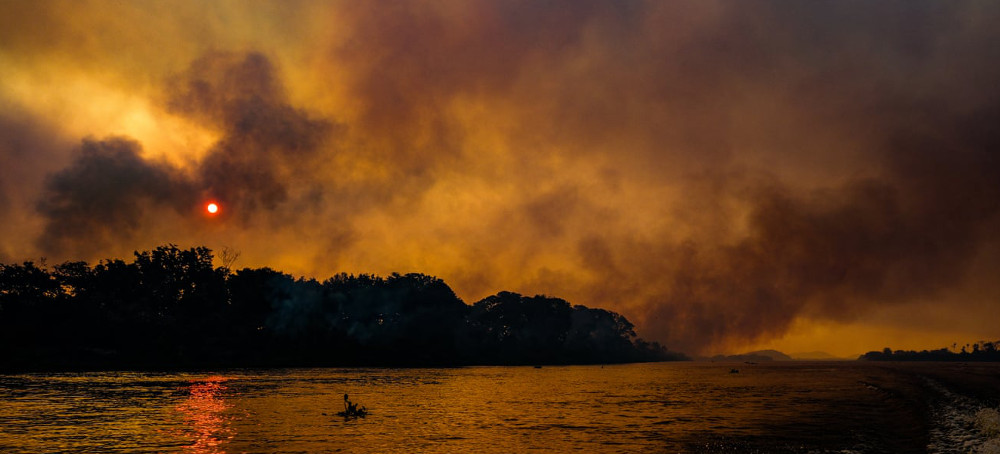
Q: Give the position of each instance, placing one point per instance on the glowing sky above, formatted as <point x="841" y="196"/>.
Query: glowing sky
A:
<point x="728" y="175"/>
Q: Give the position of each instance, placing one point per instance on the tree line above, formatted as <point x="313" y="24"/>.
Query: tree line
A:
<point x="978" y="351"/>
<point x="172" y="308"/>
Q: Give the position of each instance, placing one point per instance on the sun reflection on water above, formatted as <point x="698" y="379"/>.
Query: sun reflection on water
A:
<point x="205" y="411"/>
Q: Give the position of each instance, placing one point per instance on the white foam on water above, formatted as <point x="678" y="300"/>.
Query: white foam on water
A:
<point x="962" y="424"/>
<point x="987" y="421"/>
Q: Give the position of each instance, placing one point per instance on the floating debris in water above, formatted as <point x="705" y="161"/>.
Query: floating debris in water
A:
<point x="352" y="410"/>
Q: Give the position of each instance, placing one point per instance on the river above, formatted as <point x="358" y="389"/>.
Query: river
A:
<point x="659" y="407"/>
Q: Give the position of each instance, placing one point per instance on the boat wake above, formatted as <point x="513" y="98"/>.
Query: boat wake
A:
<point x="962" y="424"/>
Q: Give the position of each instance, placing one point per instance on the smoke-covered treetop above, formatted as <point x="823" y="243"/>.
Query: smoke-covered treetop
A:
<point x="171" y="307"/>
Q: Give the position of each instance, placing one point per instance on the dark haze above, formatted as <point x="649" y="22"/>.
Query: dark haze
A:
<point x="103" y="196"/>
<point x="266" y="144"/>
<point x="712" y="171"/>
<point x="110" y="190"/>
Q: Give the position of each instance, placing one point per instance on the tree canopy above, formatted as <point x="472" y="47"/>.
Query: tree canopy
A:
<point x="171" y="308"/>
<point x="978" y="351"/>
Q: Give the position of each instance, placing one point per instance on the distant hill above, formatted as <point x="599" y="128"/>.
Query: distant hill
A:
<point x="755" y="356"/>
<point x="816" y="356"/>
<point x="774" y="355"/>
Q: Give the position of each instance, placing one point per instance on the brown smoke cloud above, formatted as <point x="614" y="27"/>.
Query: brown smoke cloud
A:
<point x="103" y="197"/>
<point x="266" y="144"/>
<point x="265" y="150"/>
<point x="717" y="172"/>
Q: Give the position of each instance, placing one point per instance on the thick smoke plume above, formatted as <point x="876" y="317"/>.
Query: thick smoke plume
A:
<point x="104" y="195"/>
<point x="110" y="190"/>
<point x="716" y="172"/>
<point x="266" y="144"/>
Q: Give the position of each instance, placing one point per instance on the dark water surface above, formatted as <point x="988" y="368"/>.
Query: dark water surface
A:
<point x="664" y="407"/>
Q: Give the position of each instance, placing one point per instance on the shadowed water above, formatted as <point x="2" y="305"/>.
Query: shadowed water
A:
<point x="674" y="407"/>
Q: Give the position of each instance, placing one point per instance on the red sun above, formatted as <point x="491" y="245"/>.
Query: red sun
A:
<point x="212" y="208"/>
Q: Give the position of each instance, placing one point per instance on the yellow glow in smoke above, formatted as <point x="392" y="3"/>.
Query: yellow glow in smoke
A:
<point x="85" y="106"/>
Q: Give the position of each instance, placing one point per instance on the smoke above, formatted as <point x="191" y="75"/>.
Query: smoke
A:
<point x="713" y="171"/>
<point x="103" y="197"/>
<point x="908" y="234"/>
<point x="266" y="144"/>
<point x="110" y="190"/>
<point x="29" y="150"/>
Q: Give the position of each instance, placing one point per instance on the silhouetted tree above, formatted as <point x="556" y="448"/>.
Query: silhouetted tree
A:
<point x="981" y="351"/>
<point x="511" y="328"/>
<point x="28" y="315"/>
<point x="171" y="307"/>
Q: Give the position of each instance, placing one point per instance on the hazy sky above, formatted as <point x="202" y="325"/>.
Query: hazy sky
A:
<point x="728" y="175"/>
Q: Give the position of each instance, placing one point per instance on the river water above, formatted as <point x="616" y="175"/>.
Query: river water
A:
<point x="661" y="407"/>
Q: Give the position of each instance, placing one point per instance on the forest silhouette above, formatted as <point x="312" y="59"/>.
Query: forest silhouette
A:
<point x="172" y="308"/>
<point x="978" y="351"/>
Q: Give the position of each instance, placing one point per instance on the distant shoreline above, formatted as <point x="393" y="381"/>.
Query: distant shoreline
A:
<point x="982" y="351"/>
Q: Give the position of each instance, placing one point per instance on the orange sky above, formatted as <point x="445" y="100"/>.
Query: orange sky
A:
<point x="729" y="176"/>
